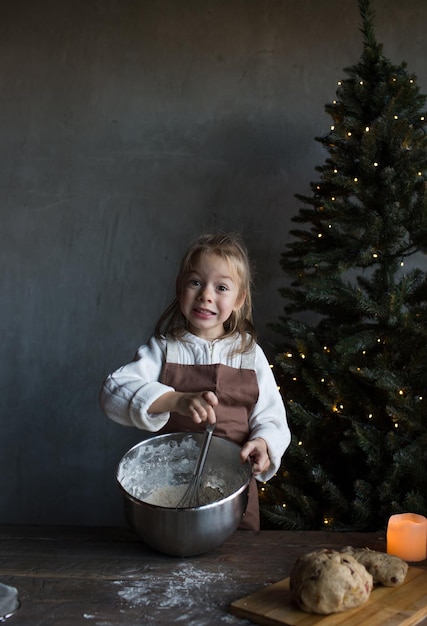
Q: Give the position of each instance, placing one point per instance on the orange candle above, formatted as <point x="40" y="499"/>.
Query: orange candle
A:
<point x="407" y="536"/>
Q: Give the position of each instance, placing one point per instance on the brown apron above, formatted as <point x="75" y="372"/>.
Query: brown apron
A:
<point x="237" y="392"/>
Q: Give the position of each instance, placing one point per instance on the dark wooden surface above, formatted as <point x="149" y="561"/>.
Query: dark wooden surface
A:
<point x="107" y="576"/>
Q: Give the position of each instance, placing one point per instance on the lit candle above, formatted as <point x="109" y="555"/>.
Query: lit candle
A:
<point x="407" y="536"/>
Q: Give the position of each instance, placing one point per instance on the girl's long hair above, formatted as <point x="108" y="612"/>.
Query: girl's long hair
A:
<point x="231" y="248"/>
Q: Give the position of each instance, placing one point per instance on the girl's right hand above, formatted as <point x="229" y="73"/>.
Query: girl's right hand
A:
<point x="199" y="406"/>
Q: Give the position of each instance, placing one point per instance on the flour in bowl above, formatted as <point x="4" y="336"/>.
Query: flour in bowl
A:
<point x="170" y="495"/>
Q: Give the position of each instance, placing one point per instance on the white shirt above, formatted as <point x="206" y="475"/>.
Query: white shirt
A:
<point x="127" y="393"/>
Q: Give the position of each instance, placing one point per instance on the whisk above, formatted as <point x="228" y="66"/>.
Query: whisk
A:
<point x="190" y="498"/>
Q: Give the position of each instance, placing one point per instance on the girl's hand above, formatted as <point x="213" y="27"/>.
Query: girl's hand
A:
<point x="198" y="406"/>
<point x="257" y="452"/>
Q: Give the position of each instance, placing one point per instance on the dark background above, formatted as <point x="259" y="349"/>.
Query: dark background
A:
<point x="126" y="127"/>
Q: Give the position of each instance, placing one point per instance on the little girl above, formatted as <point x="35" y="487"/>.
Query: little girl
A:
<point x="203" y="364"/>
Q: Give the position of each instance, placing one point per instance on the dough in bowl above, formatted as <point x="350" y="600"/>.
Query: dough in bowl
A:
<point x="328" y="581"/>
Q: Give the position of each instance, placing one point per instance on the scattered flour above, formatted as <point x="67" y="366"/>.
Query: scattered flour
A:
<point x="185" y="590"/>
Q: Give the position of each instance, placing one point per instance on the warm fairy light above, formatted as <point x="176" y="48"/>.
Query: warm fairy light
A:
<point x="363" y="351"/>
<point x="300" y="443"/>
<point x="339" y="83"/>
<point x="375" y="255"/>
<point x="335" y="171"/>
<point x="322" y="380"/>
<point x="349" y="134"/>
<point x="401" y="392"/>
<point x="355" y="179"/>
<point x="396" y="425"/>
<point x="289" y="355"/>
<point x="332" y="127"/>
<point x="294" y="379"/>
<point x="367" y="129"/>
<point x="379" y="340"/>
<point x="370" y="416"/>
<point x="396" y="117"/>
<point x="361" y="82"/>
<point x="420" y="173"/>
<point x="411" y="81"/>
<point x="375" y="164"/>
<point x="333" y="198"/>
<point x="422" y="118"/>
<point x="334" y="101"/>
<point x="319" y="235"/>
<point x="302" y="355"/>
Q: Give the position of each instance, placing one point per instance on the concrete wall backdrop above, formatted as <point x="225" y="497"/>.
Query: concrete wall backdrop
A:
<point x="126" y="127"/>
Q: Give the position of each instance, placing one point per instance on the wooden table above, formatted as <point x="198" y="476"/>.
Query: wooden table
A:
<point x="107" y="576"/>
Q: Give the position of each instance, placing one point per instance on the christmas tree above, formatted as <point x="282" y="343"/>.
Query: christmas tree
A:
<point x="352" y="359"/>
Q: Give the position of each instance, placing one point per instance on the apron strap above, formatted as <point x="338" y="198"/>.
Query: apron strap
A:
<point x="248" y="360"/>
<point x="171" y="350"/>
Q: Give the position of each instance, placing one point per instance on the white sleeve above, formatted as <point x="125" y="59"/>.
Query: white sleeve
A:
<point x="127" y="393"/>
<point x="268" y="419"/>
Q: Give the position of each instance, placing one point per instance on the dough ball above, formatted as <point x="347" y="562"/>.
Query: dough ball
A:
<point x="386" y="569"/>
<point x="328" y="581"/>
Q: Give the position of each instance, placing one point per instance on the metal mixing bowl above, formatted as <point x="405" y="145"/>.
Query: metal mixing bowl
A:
<point x="169" y="460"/>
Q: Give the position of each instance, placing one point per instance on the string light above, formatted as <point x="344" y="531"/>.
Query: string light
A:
<point x="375" y="164"/>
<point x="367" y="129"/>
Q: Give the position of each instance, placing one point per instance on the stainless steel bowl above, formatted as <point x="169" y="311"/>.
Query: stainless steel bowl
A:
<point x="169" y="460"/>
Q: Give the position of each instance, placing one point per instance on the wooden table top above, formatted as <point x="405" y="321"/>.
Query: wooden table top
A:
<point x="70" y="576"/>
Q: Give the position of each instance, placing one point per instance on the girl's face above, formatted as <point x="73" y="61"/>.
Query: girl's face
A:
<point x="209" y="294"/>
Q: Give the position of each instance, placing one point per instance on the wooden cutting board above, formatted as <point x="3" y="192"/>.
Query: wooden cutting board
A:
<point x="404" y="605"/>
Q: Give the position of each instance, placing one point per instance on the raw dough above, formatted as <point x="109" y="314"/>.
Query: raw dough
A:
<point x="386" y="569"/>
<point x="328" y="581"/>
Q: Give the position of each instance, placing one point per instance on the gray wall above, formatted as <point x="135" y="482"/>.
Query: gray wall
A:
<point x="126" y="127"/>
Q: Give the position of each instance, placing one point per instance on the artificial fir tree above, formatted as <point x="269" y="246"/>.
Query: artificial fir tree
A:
<point x="353" y="353"/>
